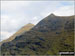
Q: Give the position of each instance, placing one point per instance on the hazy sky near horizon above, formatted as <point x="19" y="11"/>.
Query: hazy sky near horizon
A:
<point x="16" y="14"/>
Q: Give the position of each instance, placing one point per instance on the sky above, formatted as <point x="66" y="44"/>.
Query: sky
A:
<point x="16" y="14"/>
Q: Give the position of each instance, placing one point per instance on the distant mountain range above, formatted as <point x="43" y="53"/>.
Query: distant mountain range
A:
<point x="50" y="36"/>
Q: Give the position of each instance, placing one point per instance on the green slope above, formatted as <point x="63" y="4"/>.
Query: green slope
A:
<point x="19" y="32"/>
<point x="50" y="36"/>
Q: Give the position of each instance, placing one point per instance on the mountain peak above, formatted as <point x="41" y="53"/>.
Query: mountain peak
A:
<point x="19" y="32"/>
<point x="29" y="24"/>
<point x="52" y="14"/>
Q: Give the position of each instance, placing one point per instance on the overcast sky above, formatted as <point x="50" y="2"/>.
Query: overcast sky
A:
<point x="16" y="14"/>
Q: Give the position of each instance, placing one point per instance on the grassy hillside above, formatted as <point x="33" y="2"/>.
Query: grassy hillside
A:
<point x="50" y="36"/>
<point x="19" y="32"/>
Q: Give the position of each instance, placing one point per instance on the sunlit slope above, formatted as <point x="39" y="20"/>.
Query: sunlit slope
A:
<point x="19" y="32"/>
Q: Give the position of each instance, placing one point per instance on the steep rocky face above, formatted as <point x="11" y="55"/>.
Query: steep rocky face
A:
<point x="49" y="37"/>
<point x="52" y="23"/>
<point x="19" y="32"/>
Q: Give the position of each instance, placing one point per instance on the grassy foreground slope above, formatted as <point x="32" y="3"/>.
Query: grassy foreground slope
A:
<point x="50" y="36"/>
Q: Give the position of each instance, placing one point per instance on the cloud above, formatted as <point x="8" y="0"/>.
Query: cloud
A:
<point x="8" y="23"/>
<point x="65" y="11"/>
<point x="35" y="20"/>
<point x="12" y="18"/>
<point x="63" y="8"/>
<point x="5" y="35"/>
<point x="13" y="5"/>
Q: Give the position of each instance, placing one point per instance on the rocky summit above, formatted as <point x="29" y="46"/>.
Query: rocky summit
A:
<point x="50" y="36"/>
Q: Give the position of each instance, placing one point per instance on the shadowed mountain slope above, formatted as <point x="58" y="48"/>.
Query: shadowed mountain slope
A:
<point x="50" y="36"/>
<point x="19" y="32"/>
